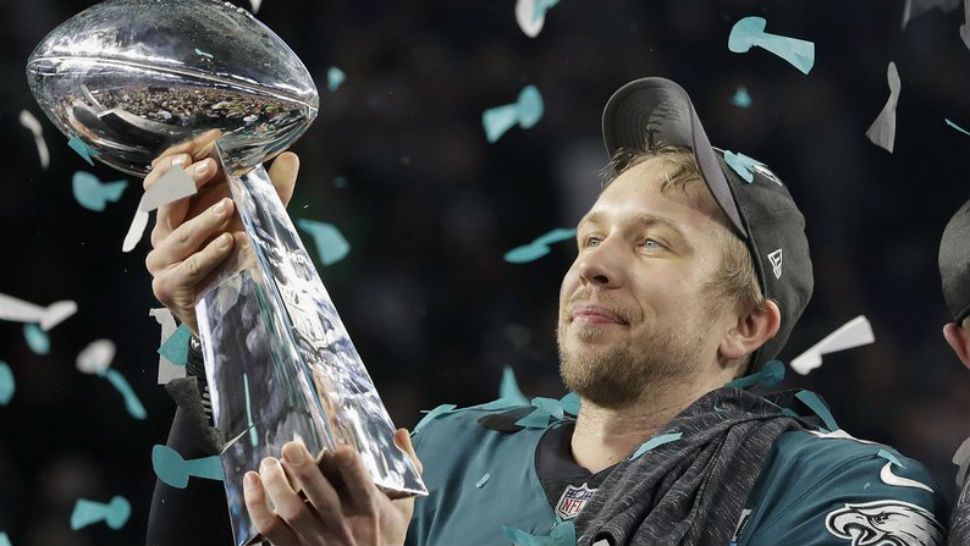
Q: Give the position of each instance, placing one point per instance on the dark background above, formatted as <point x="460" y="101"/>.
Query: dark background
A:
<point x="430" y="208"/>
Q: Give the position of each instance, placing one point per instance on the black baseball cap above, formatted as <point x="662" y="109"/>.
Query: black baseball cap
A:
<point x="955" y="263"/>
<point x="650" y="113"/>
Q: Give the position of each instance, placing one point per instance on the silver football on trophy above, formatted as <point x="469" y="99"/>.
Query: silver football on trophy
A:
<point x="132" y="77"/>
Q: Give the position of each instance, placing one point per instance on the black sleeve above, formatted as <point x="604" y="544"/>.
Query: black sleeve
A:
<point x="199" y="513"/>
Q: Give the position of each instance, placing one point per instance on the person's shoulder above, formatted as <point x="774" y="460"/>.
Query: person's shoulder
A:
<point x="818" y="456"/>
<point x="821" y="487"/>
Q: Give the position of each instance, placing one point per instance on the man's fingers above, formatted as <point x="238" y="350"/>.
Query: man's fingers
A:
<point x="198" y="147"/>
<point x="283" y="173"/>
<point x="191" y="235"/>
<point x="264" y="520"/>
<point x="403" y="441"/>
<point x="358" y="482"/>
<point x="289" y="506"/>
<point x="184" y="278"/>
<point x="317" y="489"/>
<point x="171" y="215"/>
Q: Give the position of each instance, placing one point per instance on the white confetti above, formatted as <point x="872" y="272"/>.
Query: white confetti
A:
<point x="28" y="120"/>
<point x="17" y="310"/>
<point x="96" y="357"/>
<point x="175" y="184"/>
<point x="854" y="333"/>
<point x="882" y="132"/>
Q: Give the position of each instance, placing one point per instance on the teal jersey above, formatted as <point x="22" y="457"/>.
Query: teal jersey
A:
<point x="815" y="489"/>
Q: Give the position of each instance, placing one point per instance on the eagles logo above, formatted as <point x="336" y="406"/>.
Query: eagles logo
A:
<point x="885" y="523"/>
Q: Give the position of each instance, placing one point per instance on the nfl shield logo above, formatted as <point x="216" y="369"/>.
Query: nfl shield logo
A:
<point x="573" y="500"/>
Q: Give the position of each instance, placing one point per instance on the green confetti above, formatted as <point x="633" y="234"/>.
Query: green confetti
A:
<point x="115" y="514"/>
<point x="656" y="442"/>
<point x="37" y="339"/>
<point x="7" y="384"/>
<point x="957" y="127"/>
<point x="93" y="194"/>
<point x="562" y="534"/>
<point x="176" y="347"/>
<point x="330" y="243"/>
<point x="815" y="403"/>
<point x="82" y="149"/>
<point x="174" y="471"/>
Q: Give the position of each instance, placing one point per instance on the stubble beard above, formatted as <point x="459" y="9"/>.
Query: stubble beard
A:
<point x="618" y="374"/>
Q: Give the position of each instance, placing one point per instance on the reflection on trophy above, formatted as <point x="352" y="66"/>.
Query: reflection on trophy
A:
<point x="133" y="77"/>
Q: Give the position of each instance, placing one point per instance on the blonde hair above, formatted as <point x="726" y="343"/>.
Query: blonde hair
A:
<point x="736" y="279"/>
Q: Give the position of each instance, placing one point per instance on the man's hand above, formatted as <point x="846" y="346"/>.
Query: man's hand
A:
<point x="193" y="236"/>
<point x="345" y="507"/>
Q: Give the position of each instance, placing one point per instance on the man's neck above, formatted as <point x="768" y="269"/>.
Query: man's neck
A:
<point x="605" y="436"/>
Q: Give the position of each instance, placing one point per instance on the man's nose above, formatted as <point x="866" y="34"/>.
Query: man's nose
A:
<point x="601" y="265"/>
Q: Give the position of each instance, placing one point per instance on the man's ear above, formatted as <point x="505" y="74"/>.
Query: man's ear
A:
<point x="751" y="331"/>
<point x="958" y="339"/>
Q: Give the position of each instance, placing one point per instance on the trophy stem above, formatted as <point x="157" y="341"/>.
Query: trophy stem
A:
<point x="277" y="355"/>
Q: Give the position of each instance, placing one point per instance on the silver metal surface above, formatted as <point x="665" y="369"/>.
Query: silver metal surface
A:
<point x="131" y="78"/>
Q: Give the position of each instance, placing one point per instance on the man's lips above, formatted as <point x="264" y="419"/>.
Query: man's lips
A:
<point x="596" y="314"/>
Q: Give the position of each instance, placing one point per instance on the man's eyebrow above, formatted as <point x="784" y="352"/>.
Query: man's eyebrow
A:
<point x="645" y="219"/>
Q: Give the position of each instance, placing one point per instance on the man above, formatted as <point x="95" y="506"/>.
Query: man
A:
<point x="687" y="277"/>
<point x="954" y="261"/>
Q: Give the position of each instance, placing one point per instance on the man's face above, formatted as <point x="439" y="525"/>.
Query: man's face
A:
<point x="636" y="307"/>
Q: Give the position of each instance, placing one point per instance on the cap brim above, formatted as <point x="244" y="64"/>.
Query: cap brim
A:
<point x="650" y="113"/>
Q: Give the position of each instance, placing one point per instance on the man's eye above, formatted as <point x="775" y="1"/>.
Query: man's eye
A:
<point x="591" y="241"/>
<point x="651" y="244"/>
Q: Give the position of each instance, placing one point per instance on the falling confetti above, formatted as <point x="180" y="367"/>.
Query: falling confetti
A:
<point x="93" y="194"/>
<point x="37" y="340"/>
<point x="31" y="124"/>
<point x="882" y="132"/>
<point x="17" y="310"/>
<point x="335" y="77"/>
<point x="742" y="165"/>
<point x="203" y="53"/>
<point x="855" y="333"/>
<point x="255" y="5"/>
<point x="175" y="184"/>
<point x="526" y="112"/>
<point x="114" y="514"/>
<point x="7" y="384"/>
<point x="81" y="148"/>
<point x="96" y="358"/>
<point x="957" y="127"/>
<point x="167" y="370"/>
<point x="750" y="31"/>
<point x="538" y="248"/>
<point x="741" y="98"/>
<point x="4" y="540"/>
<point x="132" y="403"/>
<point x="330" y="243"/>
<point x="175" y="471"/>
<point x="531" y="15"/>
<point x="176" y="347"/>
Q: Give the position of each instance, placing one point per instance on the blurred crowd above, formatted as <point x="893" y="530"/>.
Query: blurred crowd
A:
<point x="398" y="160"/>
